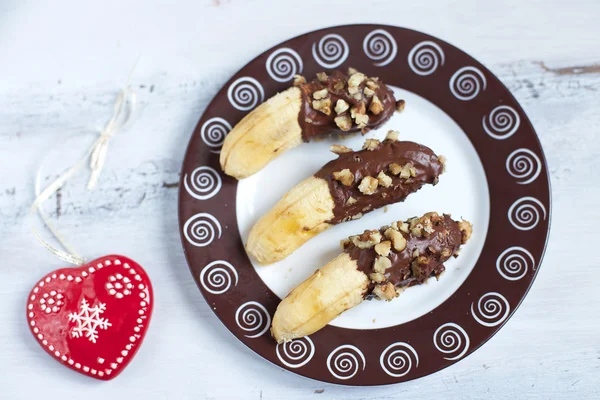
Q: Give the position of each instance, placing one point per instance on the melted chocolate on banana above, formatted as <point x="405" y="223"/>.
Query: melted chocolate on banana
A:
<point x="343" y="103"/>
<point x="406" y="253"/>
<point x="382" y="173"/>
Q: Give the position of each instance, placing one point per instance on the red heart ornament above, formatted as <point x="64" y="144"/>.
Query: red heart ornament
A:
<point x="93" y="318"/>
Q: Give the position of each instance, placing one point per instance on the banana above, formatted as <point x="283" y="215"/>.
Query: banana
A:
<point x="378" y="263"/>
<point x="335" y="103"/>
<point x="344" y="189"/>
<point x="262" y="135"/>
<point x="333" y="289"/>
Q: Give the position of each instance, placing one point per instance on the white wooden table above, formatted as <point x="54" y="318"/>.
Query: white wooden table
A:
<point x="61" y="64"/>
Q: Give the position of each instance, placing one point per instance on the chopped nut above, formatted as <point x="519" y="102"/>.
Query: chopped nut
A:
<point x="395" y="169"/>
<point x="397" y="239"/>
<point x="371" y="84"/>
<point x="354" y="90"/>
<point x="320" y="94"/>
<point x="351" y="200"/>
<point x="394" y="225"/>
<point x="352" y="71"/>
<point x="339" y="149"/>
<point x="344" y="243"/>
<point x="357" y="110"/>
<point x="361" y="120"/>
<point x="322" y="105"/>
<point x="368" y="92"/>
<point x="403" y="227"/>
<point x="357" y="96"/>
<point x="341" y="106"/>
<point x="381" y="264"/>
<point x="339" y="85"/>
<point x="384" y="180"/>
<point x="357" y="216"/>
<point x="413" y="171"/>
<point x="417" y="231"/>
<point x="371" y="144"/>
<point x="322" y="76"/>
<point x="344" y="122"/>
<point x="466" y="230"/>
<point x="406" y="171"/>
<point x="446" y="253"/>
<point x="377" y="277"/>
<point x="376" y="106"/>
<point x="400" y="104"/>
<point x="368" y="185"/>
<point x="385" y="292"/>
<point x="299" y="80"/>
<point x="392" y="135"/>
<point x="383" y="248"/>
<point x="344" y="176"/>
<point x="422" y="260"/>
<point x="367" y="239"/>
<point x="442" y="160"/>
<point x="356" y="79"/>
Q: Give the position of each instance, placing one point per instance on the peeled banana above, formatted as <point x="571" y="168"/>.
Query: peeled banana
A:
<point x="335" y="103"/>
<point x="346" y="188"/>
<point x="378" y="263"/>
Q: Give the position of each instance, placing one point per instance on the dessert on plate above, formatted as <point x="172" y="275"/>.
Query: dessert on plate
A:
<point x="346" y="188"/>
<point x="335" y="103"/>
<point x="375" y="264"/>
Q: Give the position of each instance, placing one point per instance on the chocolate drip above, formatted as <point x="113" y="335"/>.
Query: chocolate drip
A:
<point x="369" y="163"/>
<point x="317" y="124"/>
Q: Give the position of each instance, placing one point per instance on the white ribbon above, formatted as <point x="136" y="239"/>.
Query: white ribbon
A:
<point x="123" y="110"/>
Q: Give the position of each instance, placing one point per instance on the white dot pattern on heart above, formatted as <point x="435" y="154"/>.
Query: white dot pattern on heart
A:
<point x="58" y="300"/>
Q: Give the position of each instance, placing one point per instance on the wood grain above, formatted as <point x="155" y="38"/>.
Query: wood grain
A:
<point x="62" y="64"/>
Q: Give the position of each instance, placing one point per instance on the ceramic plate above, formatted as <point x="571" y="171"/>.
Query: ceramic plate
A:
<point x="496" y="178"/>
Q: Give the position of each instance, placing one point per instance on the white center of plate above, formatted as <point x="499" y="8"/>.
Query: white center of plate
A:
<point x="462" y="192"/>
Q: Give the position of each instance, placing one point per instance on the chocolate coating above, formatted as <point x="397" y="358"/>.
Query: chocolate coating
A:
<point x="317" y="124"/>
<point x="369" y="163"/>
<point x="406" y="270"/>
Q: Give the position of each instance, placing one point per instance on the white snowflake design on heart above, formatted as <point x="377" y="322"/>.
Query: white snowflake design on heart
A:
<point x="88" y="321"/>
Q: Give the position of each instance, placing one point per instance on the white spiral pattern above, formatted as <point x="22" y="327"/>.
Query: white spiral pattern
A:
<point x="217" y="277"/>
<point x="283" y="64"/>
<point x="492" y="309"/>
<point x="514" y="262"/>
<point x="213" y="133"/>
<point x="381" y="47"/>
<point x="502" y="122"/>
<point x="346" y="361"/>
<point x="203" y="183"/>
<point x="398" y="358"/>
<point x="201" y="229"/>
<point x="331" y="51"/>
<point x="526" y="213"/>
<point x="451" y="339"/>
<point x="296" y="353"/>
<point x="467" y="83"/>
<point x="525" y="165"/>
<point x="425" y="58"/>
<point x="253" y="317"/>
<point x="245" y="93"/>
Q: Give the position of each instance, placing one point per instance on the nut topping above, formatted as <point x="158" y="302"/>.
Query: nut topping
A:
<point x="371" y="144"/>
<point x="341" y="106"/>
<point x="377" y="277"/>
<point x="320" y="94"/>
<point x="356" y="79"/>
<point x="383" y="248"/>
<point x="299" y="80"/>
<point x="395" y="169"/>
<point x="384" y="180"/>
<point x="339" y="149"/>
<point x="368" y="185"/>
<point x="351" y="200"/>
<point x="367" y="239"/>
<point x="400" y="104"/>
<point x="398" y="240"/>
<point x="361" y="120"/>
<point x="322" y="76"/>
<point x="344" y="122"/>
<point x="368" y="92"/>
<point x="392" y="135"/>
<point x="376" y="106"/>
<point x="466" y="229"/>
<point x="345" y="177"/>
<point x="381" y="264"/>
<point x="323" y="106"/>
<point x="385" y="292"/>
